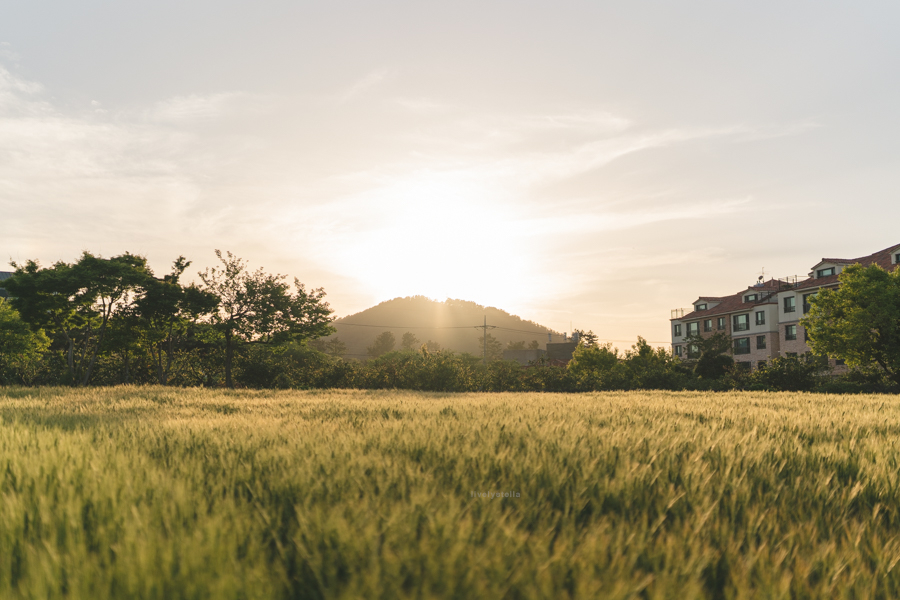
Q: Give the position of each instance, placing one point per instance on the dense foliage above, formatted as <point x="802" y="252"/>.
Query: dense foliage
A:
<point x="111" y="321"/>
<point x="859" y="321"/>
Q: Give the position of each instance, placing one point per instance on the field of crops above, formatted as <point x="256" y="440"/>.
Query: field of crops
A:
<point x="164" y="493"/>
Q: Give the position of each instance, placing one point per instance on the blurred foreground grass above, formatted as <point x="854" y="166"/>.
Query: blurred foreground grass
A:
<point x="164" y="493"/>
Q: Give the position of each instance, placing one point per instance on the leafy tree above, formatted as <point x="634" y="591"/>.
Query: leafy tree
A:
<point x="515" y="345"/>
<point x="712" y="361"/>
<point x="20" y="347"/>
<point x="591" y="365"/>
<point x="533" y="345"/>
<point x="75" y="302"/>
<point x="384" y="343"/>
<point x="431" y="346"/>
<point x="788" y="374"/>
<point x="167" y="311"/>
<point x="335" y="347"/>
<point x="259" y="308"/>
<point x="859" y="322"/>
<point x="409" y="341"/>
<point x="493" y="349"/>
<point x="588" y="338"/>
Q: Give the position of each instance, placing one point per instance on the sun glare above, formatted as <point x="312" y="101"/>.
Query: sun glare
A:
<point x="441" y="236"/>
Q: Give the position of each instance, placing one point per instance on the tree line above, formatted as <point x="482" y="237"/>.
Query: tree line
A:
<point x="101" y="321"/>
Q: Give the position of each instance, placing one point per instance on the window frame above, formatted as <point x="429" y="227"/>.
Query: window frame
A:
<point x="738" y="348"/>
<point x="690" y="328"/>
<point x="700" y="307"/>
<point x="826" y="272"/>
<point x="707" y="325"/>
<point x="761" y="338"/>
<point x="677" y="330"/>
<point x="722" y="323"/>
<point x="760" y="317"/>
<point x="737" y="326"/>
<point x="751" y="298"/>
<point x="790" y="332"/>
<point x="790" y="304"/>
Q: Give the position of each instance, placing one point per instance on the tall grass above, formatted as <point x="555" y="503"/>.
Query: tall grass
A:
<point x="161" y="493"/>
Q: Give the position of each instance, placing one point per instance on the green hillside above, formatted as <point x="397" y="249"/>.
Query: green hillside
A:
<point x="451" y="323"/>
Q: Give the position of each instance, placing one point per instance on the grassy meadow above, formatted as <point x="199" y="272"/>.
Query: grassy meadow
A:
<point x="168" y="493"/>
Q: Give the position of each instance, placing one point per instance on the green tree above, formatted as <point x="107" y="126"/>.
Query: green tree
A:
<point x="493" y="349"/>
<point x="712" y="362"/>
<point x="859" y="322"/>
<point x="259" y="308"/>
<point x="384" y="343"/>
<point x="21" y="349"/>
<point x="335" y="347"/>
<point x="591" y="365"/>
<point x="515" y="345"/>
<point x="167" y="311"/>
<point x="431" y="346"/>
<point x="409" y="341"/>
<point x="533" y="345"/>
<point x="75" y="302"/>
<point x="587" y="338"/>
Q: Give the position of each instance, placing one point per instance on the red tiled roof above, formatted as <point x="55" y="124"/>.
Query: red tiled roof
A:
<point x="735" y="302"/>
<point x="882" y="258"/>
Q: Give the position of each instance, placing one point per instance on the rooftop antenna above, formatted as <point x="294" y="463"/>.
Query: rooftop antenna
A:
<point x="762" y="276"/>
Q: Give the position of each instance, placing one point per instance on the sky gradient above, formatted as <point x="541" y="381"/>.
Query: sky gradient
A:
<point x="583" y="163"/>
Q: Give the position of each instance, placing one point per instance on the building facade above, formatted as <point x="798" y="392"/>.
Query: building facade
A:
<point x="763" y="320"/>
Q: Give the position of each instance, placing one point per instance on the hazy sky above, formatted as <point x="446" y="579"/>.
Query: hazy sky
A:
<point x="597" y="163"/>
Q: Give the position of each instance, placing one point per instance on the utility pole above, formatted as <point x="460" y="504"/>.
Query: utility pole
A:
<point x="484" y="329"/>
<point x="484" y="339"/>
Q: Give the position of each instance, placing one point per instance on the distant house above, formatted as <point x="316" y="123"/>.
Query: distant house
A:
<point x="763" y="320"/>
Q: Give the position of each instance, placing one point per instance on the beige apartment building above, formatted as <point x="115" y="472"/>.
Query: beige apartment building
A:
<point x="763" y="320"/>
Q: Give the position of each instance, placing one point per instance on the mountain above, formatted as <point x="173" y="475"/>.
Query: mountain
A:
<point x="454" y="324"/>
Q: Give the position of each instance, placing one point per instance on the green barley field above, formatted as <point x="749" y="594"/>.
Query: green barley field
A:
<point x="164" y="493"/>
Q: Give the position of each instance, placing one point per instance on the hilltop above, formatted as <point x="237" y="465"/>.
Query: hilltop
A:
<point x="451" y="323"/>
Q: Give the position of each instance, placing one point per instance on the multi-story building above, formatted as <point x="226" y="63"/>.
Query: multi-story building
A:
<point x="763" y="320"/>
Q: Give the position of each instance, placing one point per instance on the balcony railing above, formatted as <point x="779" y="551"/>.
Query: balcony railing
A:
<point x="741" y="326"/>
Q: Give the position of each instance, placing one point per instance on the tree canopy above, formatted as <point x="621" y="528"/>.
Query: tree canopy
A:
<point x="259" y="308"/>
<point x="859" y="322"/>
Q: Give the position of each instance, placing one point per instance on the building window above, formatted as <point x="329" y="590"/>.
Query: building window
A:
<point x="790" y="304"/>
<point x="693" y="328"/>
<point x="741" y="322"/>
<point x="761" y="365"/>
<point x="751" y="297"/>
<point x="700" y="307"/>
<point x="678" y="330"/>
<point x="720" y="325"/>
<point x="760" y="342"/>
<point x="790" y="332"/>
<point x="897" y="259"/>
<point x="693" y="351"/>
<point x="760" y="317"/>
<point x="838" y="362"/>
<point x="742" y="346"/>
<point x="825" y="272"/>
<point x="677" y="350"/>
<point x="707" y="325"/>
